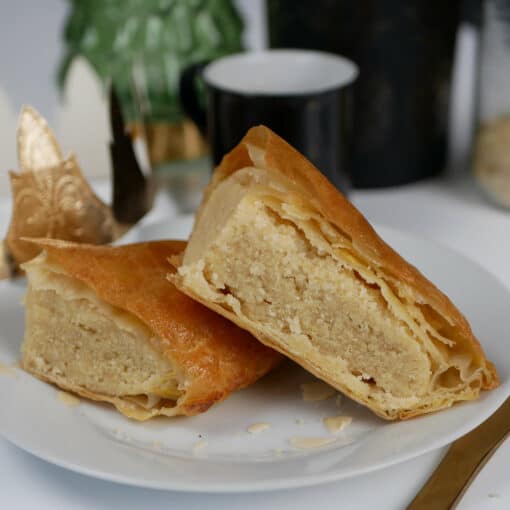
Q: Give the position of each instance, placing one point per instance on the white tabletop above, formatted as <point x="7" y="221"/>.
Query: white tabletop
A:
<point x="451" y="212"/>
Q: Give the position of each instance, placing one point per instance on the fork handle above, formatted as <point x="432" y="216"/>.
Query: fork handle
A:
<point x="462" y="463"/>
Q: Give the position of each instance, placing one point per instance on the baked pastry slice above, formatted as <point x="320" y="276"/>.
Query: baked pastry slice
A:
<point x="279" y="251"/>
<point x="105" y="323"/>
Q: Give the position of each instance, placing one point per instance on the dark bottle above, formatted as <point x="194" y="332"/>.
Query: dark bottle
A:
<point x="404" y="50"/>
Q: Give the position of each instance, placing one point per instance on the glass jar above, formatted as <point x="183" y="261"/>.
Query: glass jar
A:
<point x="491" y="156"/>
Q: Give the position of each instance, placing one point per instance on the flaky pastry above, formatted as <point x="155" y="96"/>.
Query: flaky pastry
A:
<point x="105" y="323"/>
<point x="278" y="250"/>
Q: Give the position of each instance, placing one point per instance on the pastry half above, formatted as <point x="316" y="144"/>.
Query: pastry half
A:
<point x="279" y="251"/>
<point x="105" y="323"/>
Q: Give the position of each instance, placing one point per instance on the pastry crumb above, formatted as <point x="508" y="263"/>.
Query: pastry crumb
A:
<point x="256" y="428"/>
<point x="316" y="391"/>
<point x="199" y="445"/>
<point x="121" y="435"/>
<point x="67" y="399"/>
<point x="156" y="445"/>
<point x="300" y="421"/>
<point x="5" y="370"/>
<point x="277" y="452"/>
<point x="494" y="495"/>
<point x="336" y="424"/>
<point x="308" y="443"/>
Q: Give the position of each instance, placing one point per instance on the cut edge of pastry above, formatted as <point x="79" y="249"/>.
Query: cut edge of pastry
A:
<point x="140" y="399"/>
<point x="266" y="180"/>
<point x="206" y="356"/>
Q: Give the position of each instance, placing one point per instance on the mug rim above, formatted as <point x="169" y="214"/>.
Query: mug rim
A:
<point x="343" y="72"/>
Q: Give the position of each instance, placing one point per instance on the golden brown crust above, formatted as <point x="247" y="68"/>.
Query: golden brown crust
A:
<point x="216" y="356"/>
<point x="315" y="189"/>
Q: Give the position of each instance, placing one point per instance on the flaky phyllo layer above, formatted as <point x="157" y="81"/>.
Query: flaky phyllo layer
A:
<point x="262" y="255"/>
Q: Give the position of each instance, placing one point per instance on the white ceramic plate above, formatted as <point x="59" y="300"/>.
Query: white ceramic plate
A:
<point x="93" y="439"/>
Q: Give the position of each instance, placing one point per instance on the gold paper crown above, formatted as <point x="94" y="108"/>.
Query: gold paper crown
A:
<point x="50" y="197"/>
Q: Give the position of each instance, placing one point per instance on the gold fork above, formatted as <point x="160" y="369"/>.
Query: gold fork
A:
<point x="464" y="460"/>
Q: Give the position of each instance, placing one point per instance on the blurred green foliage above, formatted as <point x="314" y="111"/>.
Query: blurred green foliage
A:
<point x="152" y="39"/>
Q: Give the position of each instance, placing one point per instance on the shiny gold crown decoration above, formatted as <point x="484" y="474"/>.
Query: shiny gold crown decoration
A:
<point x="50" y="197"/>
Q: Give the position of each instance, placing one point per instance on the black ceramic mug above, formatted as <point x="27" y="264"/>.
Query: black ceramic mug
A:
<point x="304" y="96"/>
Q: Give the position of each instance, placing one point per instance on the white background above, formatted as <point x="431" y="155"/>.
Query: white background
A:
<point x="451" y="211"/>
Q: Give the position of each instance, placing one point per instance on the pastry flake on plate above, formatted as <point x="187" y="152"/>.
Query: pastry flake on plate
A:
<point x="277" y="249"/>
<point x="105" y="323"/>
